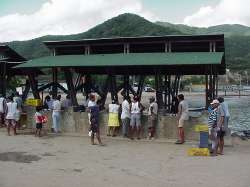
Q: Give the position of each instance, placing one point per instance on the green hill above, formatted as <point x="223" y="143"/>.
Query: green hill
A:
<point x="123" y="25"/>
<point x="237" y="41"/>
<point x="237" y="37"/>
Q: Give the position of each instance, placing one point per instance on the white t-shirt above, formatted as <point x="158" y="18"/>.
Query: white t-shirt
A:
<point x="154" y="107"/>
<point x="135" y="109"/>
<point x="91" y="103"/>
<point x="1" y="105"/>
<point x="183" y="109"/>
<point x="114" y="108"/>
<point x="12" y="110"/>
<point x="125" y="110"/>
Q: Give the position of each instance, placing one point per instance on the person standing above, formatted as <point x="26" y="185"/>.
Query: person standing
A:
<point x="152" y="118"/>
<point x="39" y="118"/>
<point x="19" y="102"/>
<point x="125" y="116"/>
<point x="67" y="102"/>
<point x="2" y="109"/>
<point x="221" y="122"/>
<point x="56" y="114"/>
<point x="113" y="121"/>
<point x="135" y="123"/>
<point x="10" y="113"/>
<point x="91" y="102"/>
<point x="182" y="116"/>
<point x="94" y="123"/>
<point x="212" y="125"/>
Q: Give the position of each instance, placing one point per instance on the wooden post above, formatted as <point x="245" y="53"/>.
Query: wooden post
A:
<point x="26" y="89"/>
<point x="3" y="78"/>
<point x="113" y="88"/>
<point x="87" y="85"/>
<point x="140" y="86"/>
<point x="54" y="85"/>
<point x="207" y="100"/>
<point x="70" y="85"/>
<point x="158" y="87"/>
<point x="33" y="84"/>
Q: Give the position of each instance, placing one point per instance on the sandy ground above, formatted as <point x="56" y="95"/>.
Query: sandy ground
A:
<point x="58" y="161"/>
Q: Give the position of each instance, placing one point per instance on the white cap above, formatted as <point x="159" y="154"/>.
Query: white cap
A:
<point x="215" y="101"/>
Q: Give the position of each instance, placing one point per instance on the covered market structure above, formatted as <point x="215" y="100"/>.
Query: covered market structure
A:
<point x="166" y="58"/>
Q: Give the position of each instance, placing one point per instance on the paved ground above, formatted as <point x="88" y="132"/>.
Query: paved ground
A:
<point x="61" y="161"/>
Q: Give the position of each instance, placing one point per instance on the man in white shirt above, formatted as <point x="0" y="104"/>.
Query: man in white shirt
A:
<point x="182" y="116"/>
<point x="56" y="114"/>
<point x="10" y="115"/>
<point x="2" y="109"/>
<point x="125" y="116"/>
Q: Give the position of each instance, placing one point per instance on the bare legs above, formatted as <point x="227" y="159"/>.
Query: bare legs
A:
<point x="181" y="136"/>
<point x="98" y="138"/>
<point x="220" y="146"/>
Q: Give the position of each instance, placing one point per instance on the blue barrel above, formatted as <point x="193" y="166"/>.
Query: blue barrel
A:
<point x="203" y="140"/>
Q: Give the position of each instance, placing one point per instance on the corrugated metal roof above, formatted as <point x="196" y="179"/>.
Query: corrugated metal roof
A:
<point x="132" y="59"/>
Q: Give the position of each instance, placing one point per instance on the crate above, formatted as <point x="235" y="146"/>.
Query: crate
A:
<point x="33" y="102"/>
<point x="198" y="152"/>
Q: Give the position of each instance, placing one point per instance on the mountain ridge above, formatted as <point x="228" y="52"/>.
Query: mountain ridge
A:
<point x="237" y="37"/>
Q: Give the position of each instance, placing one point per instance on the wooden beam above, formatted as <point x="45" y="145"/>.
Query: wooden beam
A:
<point x="54" y="85"/>
<point x="26" y="90"/>
<point x="71" y="88"/>
<point x="3" y="78"/>
<point x="33" y="84"/>
<point x="42" y="88"/>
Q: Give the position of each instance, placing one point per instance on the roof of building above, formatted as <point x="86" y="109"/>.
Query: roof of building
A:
<point x="10" y="55"/>
<point x="133" y="59"/>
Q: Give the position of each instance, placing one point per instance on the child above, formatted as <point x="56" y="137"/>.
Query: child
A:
<point x="40" y="119"/>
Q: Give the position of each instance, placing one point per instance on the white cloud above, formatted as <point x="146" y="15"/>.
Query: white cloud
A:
<point x="62" y="17"/>
<point x="225" y="12"/>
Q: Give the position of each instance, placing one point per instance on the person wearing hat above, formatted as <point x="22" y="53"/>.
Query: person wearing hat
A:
<point x="135" y="122"/>
<point x="113" y="121"/>
<point x="212" y="125"/>
<point x="152" y="117"/>
<point x="2" y="109"/>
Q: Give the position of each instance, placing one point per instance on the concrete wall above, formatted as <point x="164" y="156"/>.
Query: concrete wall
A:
<point x="76" y="122"/>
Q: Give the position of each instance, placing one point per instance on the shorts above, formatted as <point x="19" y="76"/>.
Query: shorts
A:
<point x="181" y="123"/>
<point x="135" y="120"/>
<point x="39" y="125"/>
<point x="221" y="133"/>
<point x="10" y="123"/>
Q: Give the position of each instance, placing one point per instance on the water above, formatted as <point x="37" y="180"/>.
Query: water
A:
<point x="240" y="113"/>
<point x="239" y="108"/>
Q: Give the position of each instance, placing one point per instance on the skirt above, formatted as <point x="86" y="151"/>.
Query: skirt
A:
<point x="113" y="120"/>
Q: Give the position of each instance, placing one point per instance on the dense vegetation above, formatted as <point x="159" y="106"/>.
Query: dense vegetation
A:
<point x="237" y="37"/>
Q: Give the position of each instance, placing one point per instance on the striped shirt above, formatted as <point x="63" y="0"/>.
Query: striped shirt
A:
<point x="212" y="119"/>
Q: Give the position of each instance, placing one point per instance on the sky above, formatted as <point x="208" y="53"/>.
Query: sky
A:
<point x="28" y="19"/>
